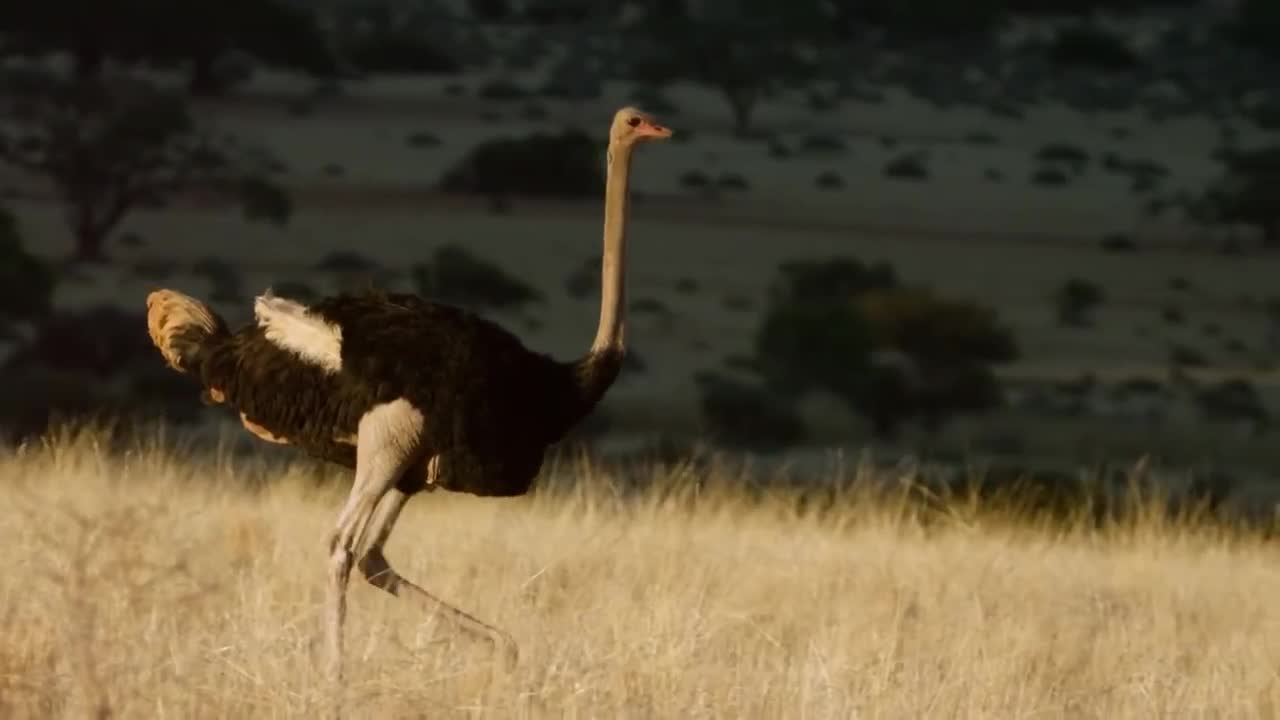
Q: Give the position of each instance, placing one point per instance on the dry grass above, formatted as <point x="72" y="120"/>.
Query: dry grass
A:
<point x="146" y="583"/>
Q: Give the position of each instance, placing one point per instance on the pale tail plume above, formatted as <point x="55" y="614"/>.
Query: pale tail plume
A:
<point x="180" y="326"/>
<point x="289" y="325"/>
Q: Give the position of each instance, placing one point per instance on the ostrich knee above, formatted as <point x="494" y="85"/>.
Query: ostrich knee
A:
<point x="340" y="559"/>
<point x="353" y="525"/>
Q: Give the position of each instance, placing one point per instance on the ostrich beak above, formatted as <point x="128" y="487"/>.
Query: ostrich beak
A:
<point x="653" y="130"/>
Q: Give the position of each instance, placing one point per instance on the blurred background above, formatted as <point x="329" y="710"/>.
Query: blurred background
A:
<point x="1040" y="232"/>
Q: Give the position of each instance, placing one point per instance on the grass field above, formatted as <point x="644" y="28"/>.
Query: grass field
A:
<point x="158" y="583"/>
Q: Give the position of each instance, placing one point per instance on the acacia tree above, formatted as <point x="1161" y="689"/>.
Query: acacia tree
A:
<point x="26" y="283"/>
<point x="274" y="32"/>
<point x="892" y="353"/>
<point x="744" y="49"/>
<point x="109" y="147"/>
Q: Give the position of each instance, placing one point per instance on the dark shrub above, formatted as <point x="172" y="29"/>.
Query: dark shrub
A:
<point x="747" y="417"/>
<point x="695" y="180"/>
<point x="829" y="180"/>
<point x="398" y="51"/>
<point x="296" y="290"/>
<point x="502" y="90"/>
<point x="1235" y="399"/>
<point x="99" y="342"/>
<point x="584" y="282"/>
<point x="456" y="276"/>
<point x="1076" y="300"/>
<point x="346" y="261"/>
<point x="1187" y="356"/>
<point x="891" y="353"/>
<point x="1063" y="154"/>
<point x="224" y="281"/>
<point x="422" y="140"/>
<point x="570" y="164"/>
<point x="650" y="306"/>
<point x="26" y="283"/>
<point x="686" y="286"/>
<point x="732" y="181"/>
<point x="1118" y="243"/>
<point x="1049" y="177"/>
<point x="1093" y="47"/>
<point x="907" y="167"/>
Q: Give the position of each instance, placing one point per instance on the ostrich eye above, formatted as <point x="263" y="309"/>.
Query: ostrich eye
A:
<point x="634" y="121"/>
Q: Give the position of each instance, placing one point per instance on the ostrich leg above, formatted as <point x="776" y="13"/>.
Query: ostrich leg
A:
<point x="380" y="574"/>
<point x="386" y="446"/>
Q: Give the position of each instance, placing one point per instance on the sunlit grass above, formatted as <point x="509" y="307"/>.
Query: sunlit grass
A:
<point x="156" y="582"/>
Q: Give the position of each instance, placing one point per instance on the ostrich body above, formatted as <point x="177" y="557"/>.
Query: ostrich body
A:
<point x="410" y="394"/>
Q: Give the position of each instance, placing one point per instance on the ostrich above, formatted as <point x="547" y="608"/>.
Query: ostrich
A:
<point x="412" y="395"/>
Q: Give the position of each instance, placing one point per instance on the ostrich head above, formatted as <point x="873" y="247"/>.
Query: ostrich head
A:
<point x="631" y="126"/>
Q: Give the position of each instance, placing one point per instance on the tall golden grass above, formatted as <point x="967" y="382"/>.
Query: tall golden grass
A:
<point x="152" y="582"/>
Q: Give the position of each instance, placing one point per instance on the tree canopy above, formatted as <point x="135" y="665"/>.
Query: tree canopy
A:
<point x="744" y="49"/>
<point x="111" y="146"/>
<point x="893" y="353"/>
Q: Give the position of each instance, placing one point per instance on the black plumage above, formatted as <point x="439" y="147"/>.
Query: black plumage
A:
<point x="491" y="405"/>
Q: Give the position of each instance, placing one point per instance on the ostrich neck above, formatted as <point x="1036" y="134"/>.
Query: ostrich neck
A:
<point x="612" y="329"/>
<point x="594" y="373"/>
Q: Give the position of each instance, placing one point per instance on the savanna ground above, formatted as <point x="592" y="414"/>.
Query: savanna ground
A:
<point x="157" y="581"/>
